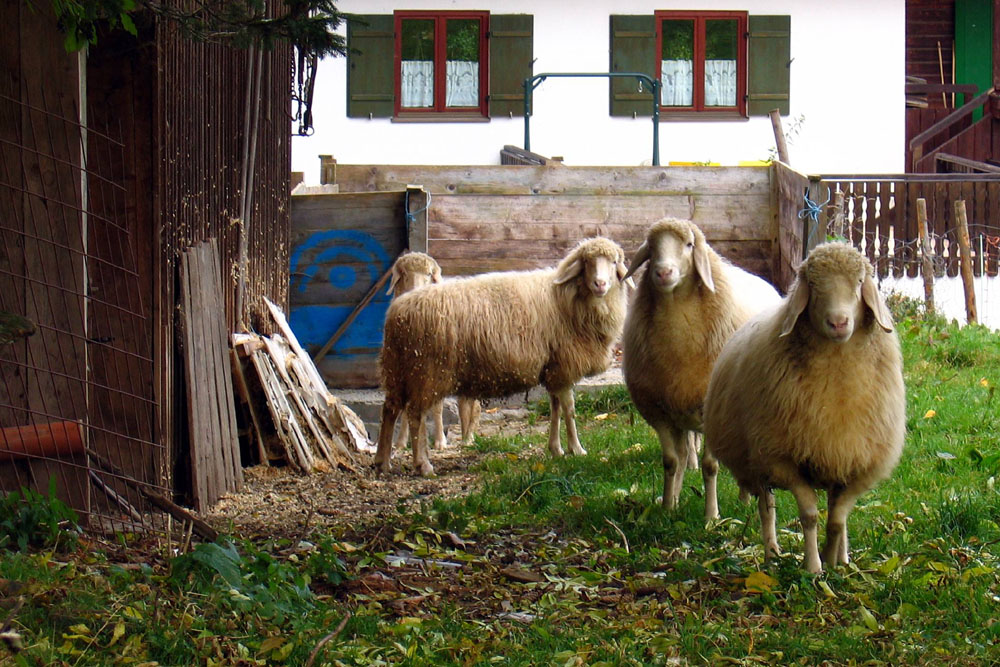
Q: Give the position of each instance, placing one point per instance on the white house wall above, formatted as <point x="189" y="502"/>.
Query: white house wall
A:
<point x="847" y="79"/>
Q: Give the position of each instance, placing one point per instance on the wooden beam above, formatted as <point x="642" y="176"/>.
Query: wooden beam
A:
<point x="917" y="142"/>
<point x="779" y="135"/>
<point x="417" y="202"/>
<point x="352" y="316"/>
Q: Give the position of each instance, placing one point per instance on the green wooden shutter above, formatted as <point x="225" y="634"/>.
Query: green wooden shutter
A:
<point x="633" y="49"/>
<point x="511" y="56"/>
<point x="370" y="79"/>
<point x="770" y="61"/>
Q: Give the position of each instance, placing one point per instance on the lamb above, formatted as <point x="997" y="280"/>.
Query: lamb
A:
<point x="688" y="303"/>
<point x="410" y="271"/>
<point x="497" y="334"/>
<point x="809" y="395"/>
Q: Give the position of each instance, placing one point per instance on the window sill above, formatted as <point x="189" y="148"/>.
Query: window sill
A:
<point x="432" y="117"/>
<point x="701" y="115"/>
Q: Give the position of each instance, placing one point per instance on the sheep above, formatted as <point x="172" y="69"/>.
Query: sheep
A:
<point x="497" y="334"/>
<point x="410" y="271"/>
<point x="688" y="303"/>
<point x="809" y="395"/>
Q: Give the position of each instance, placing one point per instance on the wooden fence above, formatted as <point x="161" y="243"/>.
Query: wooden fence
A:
<point x="878" y="214"/>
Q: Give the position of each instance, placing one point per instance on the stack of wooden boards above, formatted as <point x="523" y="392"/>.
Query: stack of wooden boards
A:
<point x="309" y="428"/>
<point x="290" y="414"/>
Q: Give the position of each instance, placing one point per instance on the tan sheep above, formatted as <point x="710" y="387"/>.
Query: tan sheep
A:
<point x="688" y="303"/>
<point x="410" y="271"/>
<point x="809" y="395"/>
<point x="498" y="334"/>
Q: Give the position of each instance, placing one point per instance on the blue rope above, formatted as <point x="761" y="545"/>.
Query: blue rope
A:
<point x="412" y="217"/>
<point x="812" y="211"/>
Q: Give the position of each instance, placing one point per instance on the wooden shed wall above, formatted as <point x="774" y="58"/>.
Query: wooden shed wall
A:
<point x="200" y="105"/>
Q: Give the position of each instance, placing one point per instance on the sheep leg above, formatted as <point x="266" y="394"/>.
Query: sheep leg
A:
<point x="673" y="448"/>
<point x="768" y="530"/>
<point x="569" y="415"/>
<point x="692" y="461"/>
<point x="440" y="439"/>
<point x="469" y="410"/>
<point x="805" y="497"/>
<point x="840" y="502"/>
<point x="402" y="433"/>
<point x="710" y="475"/>
<point x="555" y="405"/>
<point x="383" y="454"/>
<point x="418" y="426"/>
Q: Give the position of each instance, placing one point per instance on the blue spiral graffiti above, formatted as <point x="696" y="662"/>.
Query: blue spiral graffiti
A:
<point x="308" y="258"/>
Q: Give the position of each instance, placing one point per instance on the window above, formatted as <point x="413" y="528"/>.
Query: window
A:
<point x="702" y="61"/>
<point x="438" y="66"/>
<point x="712" y="64"/>
<point x="441" y="62"/>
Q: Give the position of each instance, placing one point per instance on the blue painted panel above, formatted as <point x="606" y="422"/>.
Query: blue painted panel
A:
<point x="313" y="326"/>
<point x="336" y="262"/>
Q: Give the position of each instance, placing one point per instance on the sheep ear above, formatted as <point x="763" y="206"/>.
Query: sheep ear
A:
<point x="436" y="275"/>
<point x="796" y="302"/>
<point x="640" y="257"/>
<point x="703" y="266"/>
<point x="568" y="271"/>
<point x="392" y="283"/>
<point x="872" y="299"/>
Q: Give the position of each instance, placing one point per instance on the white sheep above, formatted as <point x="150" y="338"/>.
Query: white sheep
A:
<point x="809" y="395"/>
<point x="410" y="271"/>
<point x="688" y="303"/>
<point x="497" y="334"/>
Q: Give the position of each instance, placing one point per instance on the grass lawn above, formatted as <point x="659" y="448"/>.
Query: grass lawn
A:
<point x="568" y="562"/>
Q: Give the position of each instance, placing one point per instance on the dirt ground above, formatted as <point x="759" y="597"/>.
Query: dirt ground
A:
<point x="277" y="502"/>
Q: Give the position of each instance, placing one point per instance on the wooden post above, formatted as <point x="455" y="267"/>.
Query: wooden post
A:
<point x="417" y="202"/>
<point x="926" y="260"/>
<point x="966" y="257"/>
<point x="838" y="215"/>
<point x="779" y="135"/>
<point x="327" y="169"/>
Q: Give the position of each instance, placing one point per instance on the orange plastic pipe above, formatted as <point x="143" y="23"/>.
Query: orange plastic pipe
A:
<point x="54" y="440"/>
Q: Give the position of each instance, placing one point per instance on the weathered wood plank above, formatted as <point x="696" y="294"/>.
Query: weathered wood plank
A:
<point x="565" y="180"/>
<point x="742" y="215"/>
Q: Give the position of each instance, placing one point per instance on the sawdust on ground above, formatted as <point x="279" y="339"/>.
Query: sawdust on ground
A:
<point x="277" y="502"/>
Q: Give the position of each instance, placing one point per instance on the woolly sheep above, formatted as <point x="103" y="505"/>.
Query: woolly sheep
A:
<point x="410" y="271"/>
<point x="497" y="334"/>
<point x="809" y="395"/>
<point x="688" y="303"/>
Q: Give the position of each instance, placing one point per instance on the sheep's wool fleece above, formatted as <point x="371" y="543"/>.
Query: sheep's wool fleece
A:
<point x="671" y="341"/>
<point x="500" y="333"/>
<point x="802" y="405"/>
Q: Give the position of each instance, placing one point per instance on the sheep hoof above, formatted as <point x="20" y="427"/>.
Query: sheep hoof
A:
<point x="578" y="451"/>
<point x="427" y="470"/>
<point x="382" y="467"/>
<point x="556" y="451"/>
<point x="440" y="444"/>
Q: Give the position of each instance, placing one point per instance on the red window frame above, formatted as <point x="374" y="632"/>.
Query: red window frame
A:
<point x="440" y="19"/>
<point x="698" y="96"/>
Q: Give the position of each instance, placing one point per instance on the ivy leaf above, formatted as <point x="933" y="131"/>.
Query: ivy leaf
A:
<point x="117" y="633"/>
<point x="869" y="619"/>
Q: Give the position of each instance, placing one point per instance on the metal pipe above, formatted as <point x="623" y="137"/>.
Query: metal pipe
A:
<point x="533" y="82"/>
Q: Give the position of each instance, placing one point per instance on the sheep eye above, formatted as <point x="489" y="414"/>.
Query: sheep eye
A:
<point x="690" y="244"/>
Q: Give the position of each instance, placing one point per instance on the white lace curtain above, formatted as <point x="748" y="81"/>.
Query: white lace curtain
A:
<point x="417" y="84"/>
<point x="678" y="83"/>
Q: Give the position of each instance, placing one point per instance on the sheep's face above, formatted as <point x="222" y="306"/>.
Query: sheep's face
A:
<point x="836" y="285"/>
<point x="413" y="270"/>
<point x="599" y="274"/>
<point x="599" y="263"/>
<point x="675" y="249"/>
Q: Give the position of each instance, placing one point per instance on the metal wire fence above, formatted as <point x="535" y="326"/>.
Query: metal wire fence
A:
<point x="77" y="404"/>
